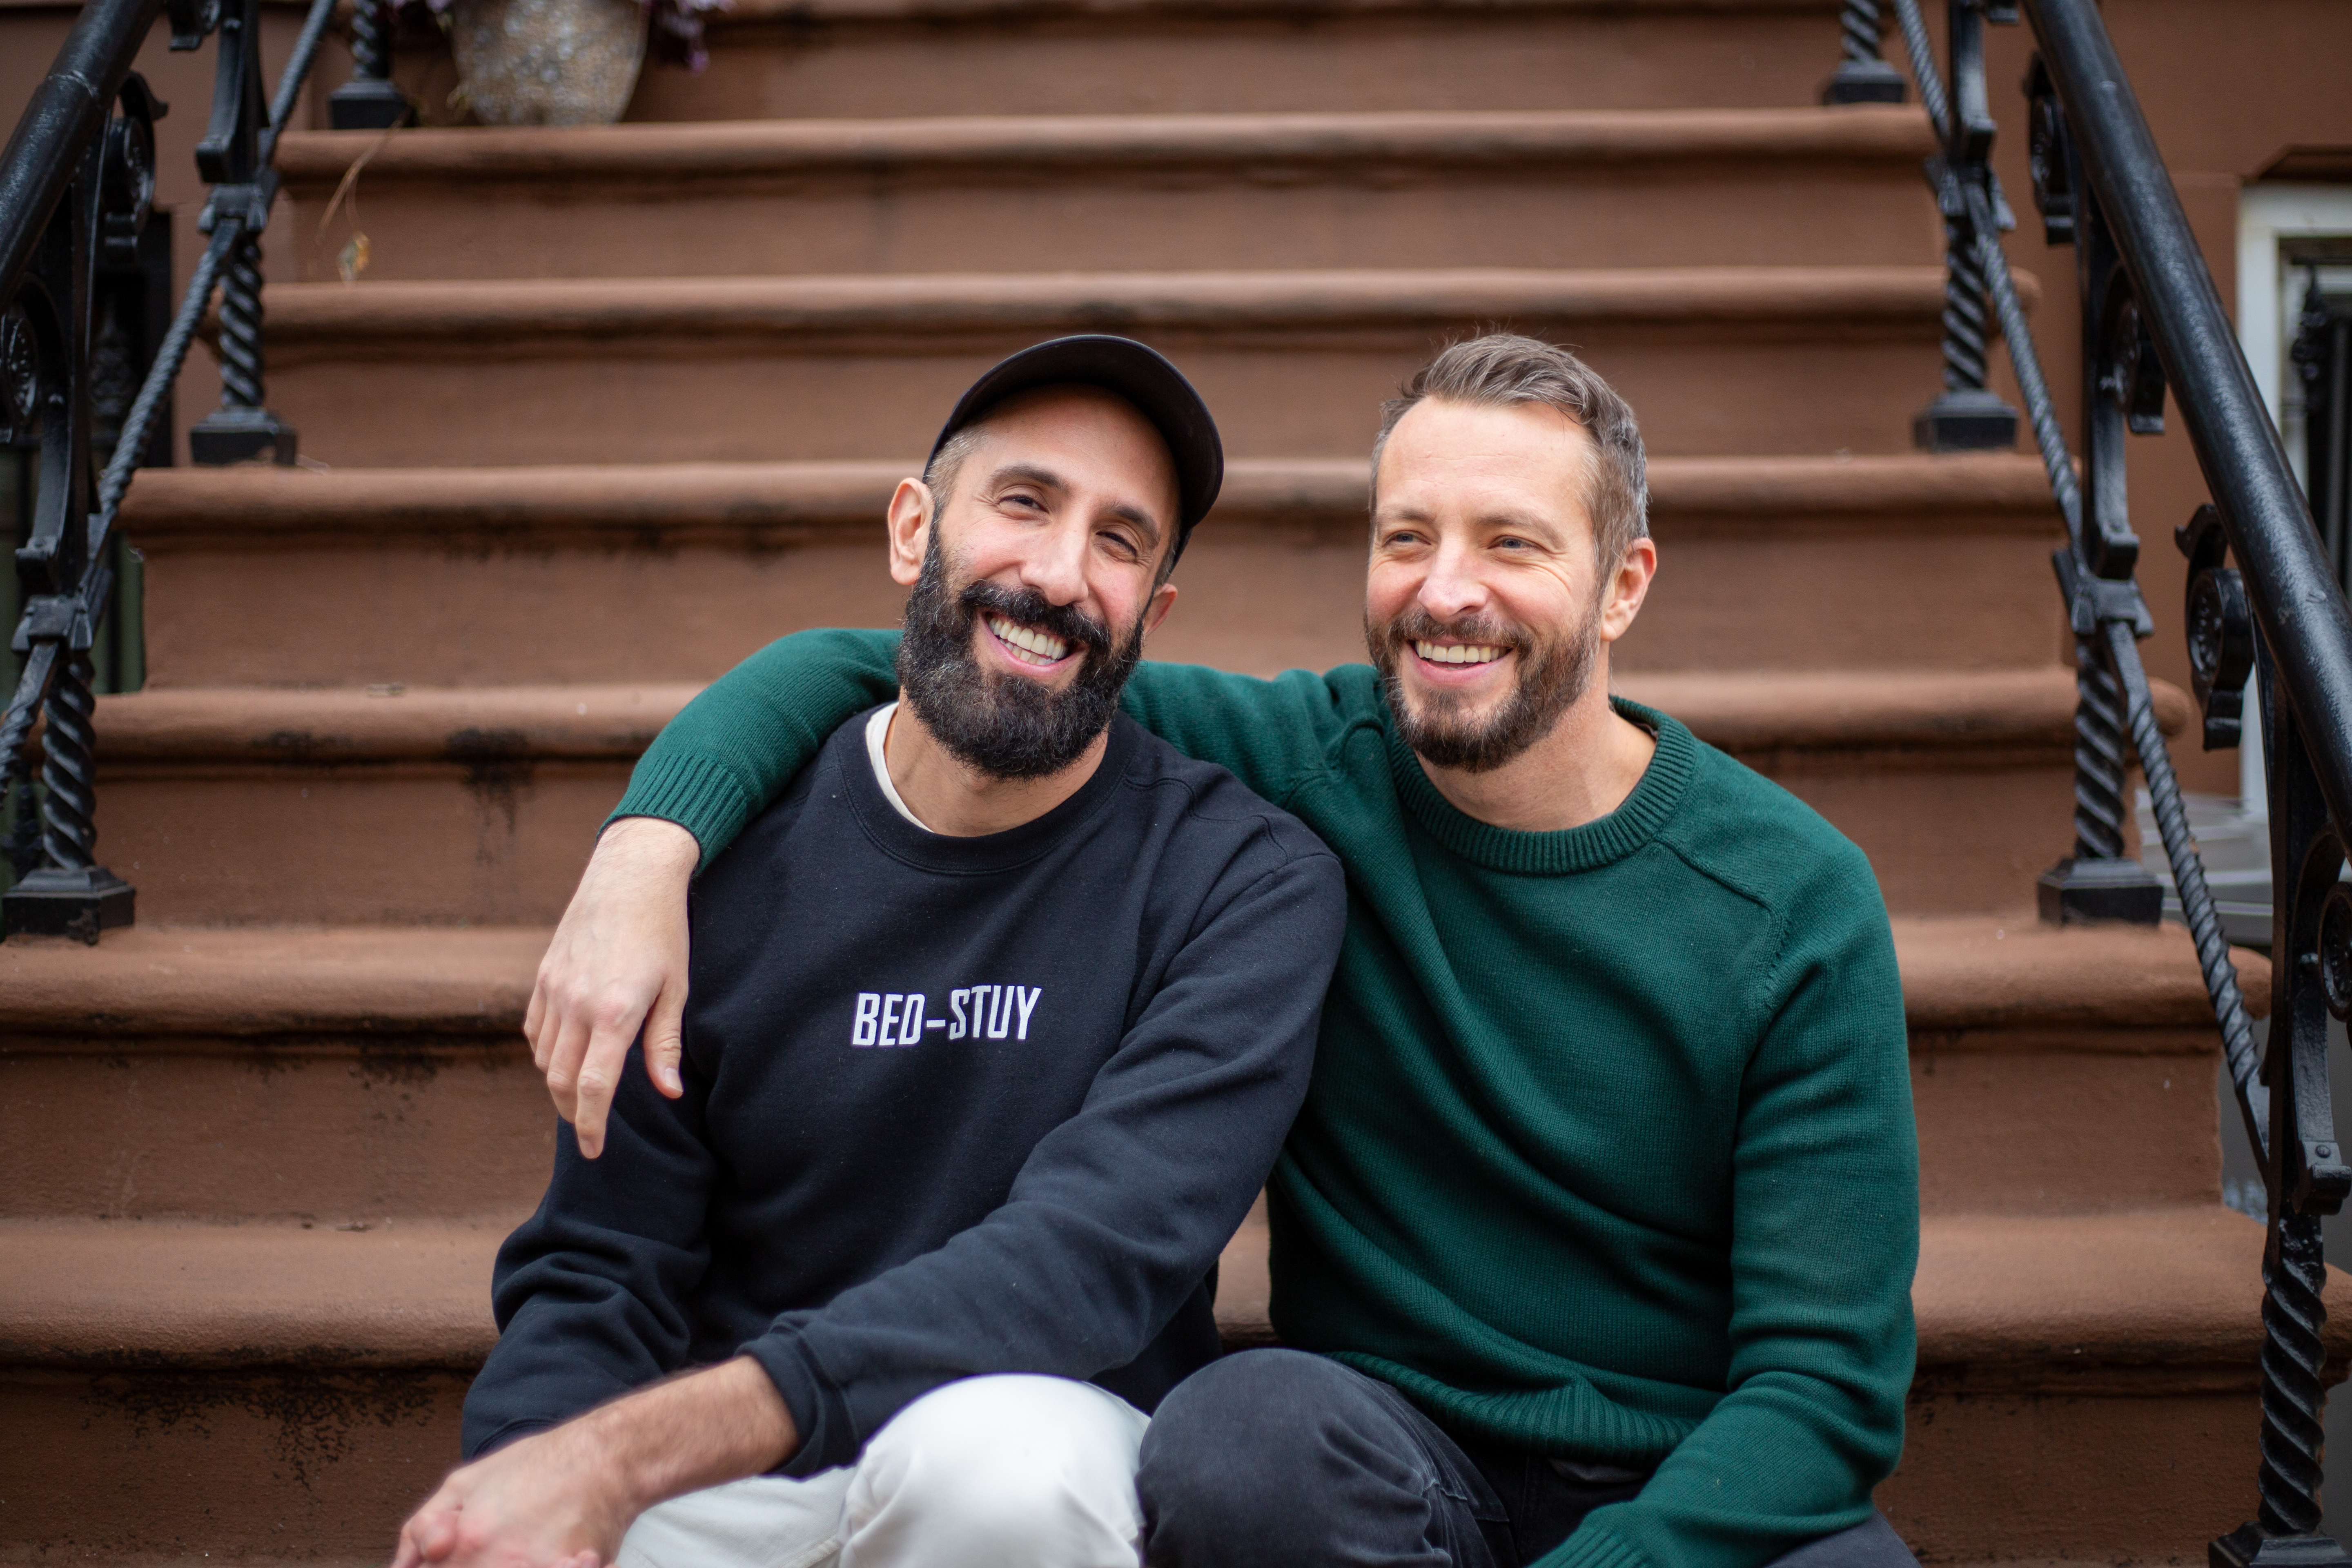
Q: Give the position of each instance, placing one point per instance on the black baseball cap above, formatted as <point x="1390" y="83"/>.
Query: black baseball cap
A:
<point x="1129" y="369"/>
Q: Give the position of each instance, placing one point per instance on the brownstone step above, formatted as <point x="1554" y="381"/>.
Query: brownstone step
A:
<point x="2024" y="1037"/>
<point x="674" y="571"/>
<point x="833" y="57"/>
<point x="142" y="1366"/>
<point x="479" y="804"/>
<point x="361" y="1075"/>
<point x="1295" y="364"/>
<point x="1127" y="191"/>
<point x="365" y="1075"/>
<point x="341" y="1077"/>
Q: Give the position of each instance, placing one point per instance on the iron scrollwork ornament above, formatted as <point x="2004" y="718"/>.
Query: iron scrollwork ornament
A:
<point x="2050" y="155"/>
<point x="2132" y="376"/>
<point x="20" y="379"/>
<point x="2336" y="951"/>
<point x="127" y="172"/>
<point x="2221" y="625"/>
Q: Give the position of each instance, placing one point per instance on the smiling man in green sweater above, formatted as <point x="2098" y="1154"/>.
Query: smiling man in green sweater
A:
<point x="1594" y="1242"/>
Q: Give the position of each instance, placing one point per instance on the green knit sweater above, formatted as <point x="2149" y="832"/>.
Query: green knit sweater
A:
<point x="1609" y="1149"/>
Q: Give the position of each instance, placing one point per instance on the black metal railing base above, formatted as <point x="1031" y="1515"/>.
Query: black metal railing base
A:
<point x="241" y="436"/>
<point x="2079" y="890"/>
<point x="1966" y="419"/>
<point x="362" y="105"/>
<point x="2248" y="1547"/>
<point x="1864" y="81"/>
<point x="80" y="904"/>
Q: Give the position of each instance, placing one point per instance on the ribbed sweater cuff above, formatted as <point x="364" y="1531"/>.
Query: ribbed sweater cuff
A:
<point x="696" y="793"/>
<point x="1593" y="1547"/>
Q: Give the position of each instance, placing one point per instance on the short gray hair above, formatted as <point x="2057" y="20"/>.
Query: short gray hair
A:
<point x="1504" y="368"/>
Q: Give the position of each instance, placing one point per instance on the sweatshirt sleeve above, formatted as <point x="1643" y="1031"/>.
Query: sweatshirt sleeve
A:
<point x="1119" y="1212"/>
<point x="731" y="751"/>
<point x="1825" y="1192"/>
<point x="590" y="1293"/>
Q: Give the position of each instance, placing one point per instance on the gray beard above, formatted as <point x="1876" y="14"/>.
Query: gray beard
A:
<point x="1002" y="725"/>
<point x="1551" y="678"/>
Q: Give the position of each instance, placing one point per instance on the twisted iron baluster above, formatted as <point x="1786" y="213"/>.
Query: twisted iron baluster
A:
<point x="1858" y="24"/>
<point x="2098" y="757"/>
<point x="240" y="325"/>
<point x="1923" y="66"/>
<point x="1862" y="76"/>
<point x="2294" y="1271"/>
<point x="68" y="836"/>
<point x="370" y="43"/>
<point x="369" y="101"/>
<point x="2239" y="1053"/>
<point x="1967" y="341"/>
<point x="241" y="429"/>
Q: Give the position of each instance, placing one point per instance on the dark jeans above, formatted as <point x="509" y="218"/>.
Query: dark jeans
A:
<point x="1288" y="1460"/>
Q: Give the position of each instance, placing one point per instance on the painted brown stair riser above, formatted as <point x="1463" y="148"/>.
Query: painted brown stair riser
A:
<point x="1123" y="193"/>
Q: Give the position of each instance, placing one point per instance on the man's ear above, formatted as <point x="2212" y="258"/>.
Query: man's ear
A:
<point x="1163" y="599"/>
<point x="1636" y="569"/>
<point x="909" y="522"/>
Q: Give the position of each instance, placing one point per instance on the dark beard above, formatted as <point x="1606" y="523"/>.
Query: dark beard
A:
<point x="1001" y="724"/>
<point x="1552" y="678"/>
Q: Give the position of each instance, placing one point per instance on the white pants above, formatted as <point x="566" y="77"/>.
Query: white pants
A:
<point x="990" y="1472"/>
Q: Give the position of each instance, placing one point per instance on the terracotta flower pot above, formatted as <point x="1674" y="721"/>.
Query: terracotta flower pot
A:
<point x="548" y="62"/>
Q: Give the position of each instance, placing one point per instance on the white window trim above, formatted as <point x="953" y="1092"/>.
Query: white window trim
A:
<point x="2268" y="301"/>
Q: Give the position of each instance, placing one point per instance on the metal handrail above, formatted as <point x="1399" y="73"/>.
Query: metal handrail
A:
<point x="66" y="116"/>
<point x="77" y="175"/>
<point x="2153" y="319"/>
<point x="2291" y="589"/>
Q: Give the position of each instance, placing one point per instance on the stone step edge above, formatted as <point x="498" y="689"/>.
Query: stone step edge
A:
<point x="254" y="506"/>
<point x="2152" y="1297"/>
<point x="672" y="159"/>
<point x="395" y="319"/>
<point x="1963" y="975"/>
<point x="1956" y="717"/>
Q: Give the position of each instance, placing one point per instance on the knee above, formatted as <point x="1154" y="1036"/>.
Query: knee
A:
<point x="1223" y="1463"/>
<point x="1231" y="1423"/>
<point x="1013" y="1470"/>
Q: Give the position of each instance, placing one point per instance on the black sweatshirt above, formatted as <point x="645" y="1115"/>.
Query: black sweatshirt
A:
<point x="953" y="1106"/>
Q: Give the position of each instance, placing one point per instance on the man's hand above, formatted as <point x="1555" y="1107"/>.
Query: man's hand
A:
<point x="548" y="1500"/>
<point x="617" y="960"/>
<point x="564" y="1497"/>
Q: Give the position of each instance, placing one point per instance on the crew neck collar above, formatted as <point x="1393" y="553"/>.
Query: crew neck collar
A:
<point x="918" y="846"/>
<point x="1607" y="839"/>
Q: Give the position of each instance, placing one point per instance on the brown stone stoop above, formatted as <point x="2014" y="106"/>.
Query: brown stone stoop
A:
<point x="613" y="407"/>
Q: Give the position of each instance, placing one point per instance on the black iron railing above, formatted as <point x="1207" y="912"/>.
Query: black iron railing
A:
<point x="2152" y="321"/>
<point x="77" y="191"/>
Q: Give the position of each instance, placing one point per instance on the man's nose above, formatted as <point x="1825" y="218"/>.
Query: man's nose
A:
<point x="1453" y="587"/>
<point x="1056" y="565"/>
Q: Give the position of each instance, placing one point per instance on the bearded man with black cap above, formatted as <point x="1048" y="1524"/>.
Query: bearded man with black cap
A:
<point x="998" y="1018"/>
